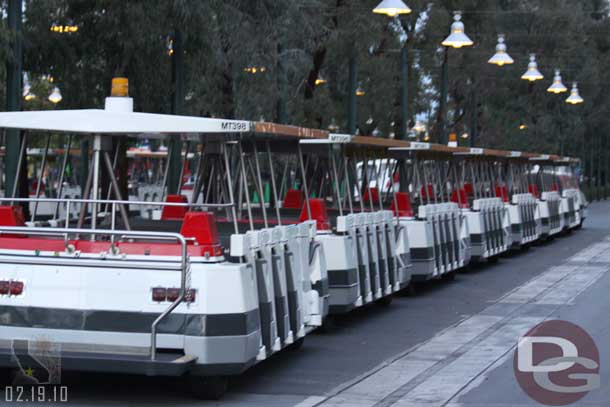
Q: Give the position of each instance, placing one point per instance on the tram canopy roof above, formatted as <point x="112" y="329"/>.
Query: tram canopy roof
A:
<point x="108" y="121"/>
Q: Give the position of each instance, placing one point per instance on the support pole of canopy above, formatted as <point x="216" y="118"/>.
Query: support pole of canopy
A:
<point x="43" y="166"/>
<point x="303" y="174"/>
<point x="117" y="190"/>
<point x="24" y="142"/>
<point x="244" y="182"/>
<point x="276" y="200"/>
<point x="62" y="173"/>
<point x="261" y="193"/>
<point x="230" y="185"/>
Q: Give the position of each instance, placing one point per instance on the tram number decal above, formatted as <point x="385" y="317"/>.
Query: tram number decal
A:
<point x="340" y="138"/>
<point x="416" y="145"/>
<point x="234" y="126"/>
<point x="477" y="151"/>
<point x="515" y="153"/>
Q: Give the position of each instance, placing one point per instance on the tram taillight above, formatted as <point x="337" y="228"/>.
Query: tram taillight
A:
<point x="159" y="294"/>
<point x="16" y="288"/>
<point x="11" y="287"/>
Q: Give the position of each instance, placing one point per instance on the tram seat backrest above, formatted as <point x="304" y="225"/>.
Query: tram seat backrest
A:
<point x="318" y="213"/>
<point x="533" y="189"/>
<point x="427" y="192"/>
<point x="11" y="216"/>
<point x="174" y="212"/>
<point x="403" y="199"/>
<point x="202" y="227"/>
<point x="294" y="199"/>
<point x="371" y="193"/>
<point x="468" y="188"/>
<point x="502" y="192"/>
<point x="460" y="197"/>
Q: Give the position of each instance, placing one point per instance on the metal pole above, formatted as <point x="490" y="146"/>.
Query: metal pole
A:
<point x="61" y="176"/>
<point x="13" y="94"/>
<point x="336" y="176"/>
<point x="230" y="185"/>
<point x="281" y="87"/>
<point x="352" y="105"/>
<point x="303" y="174"/>
<point x="244" y="176"/>
<point x="117" y="190"/>
<point x="442" y="139"/>
<point x="84" y="163"/>
<point x="273" y="186"/>
<point x="175" y="143"/>
<point x="474" y="117"/>
<point x="42" y="168"/>
<point x="22" y="156"/>
<point x="260" y="185"/>
<point x="404" y="93"/>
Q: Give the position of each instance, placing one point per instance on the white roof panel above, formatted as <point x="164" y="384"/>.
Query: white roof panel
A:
<point x="98" y="121"/>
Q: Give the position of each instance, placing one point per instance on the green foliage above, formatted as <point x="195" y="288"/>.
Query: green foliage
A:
<point x="297" y="41"/>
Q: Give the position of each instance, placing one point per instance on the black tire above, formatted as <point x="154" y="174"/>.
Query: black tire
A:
<point x="328" y="325"/>
<point x="296" y="345"/>
<point x="411" y="290"/>
<point x="449" y="276"/>
<point x="208" y="387"/>
<point x="493" y="260"/>
<point x="384" y="301"/>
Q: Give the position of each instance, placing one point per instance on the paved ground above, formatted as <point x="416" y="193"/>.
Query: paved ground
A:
<point x="450" y="345"/>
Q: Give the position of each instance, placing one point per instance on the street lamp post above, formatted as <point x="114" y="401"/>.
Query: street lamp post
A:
<point x="456" y="39"/>
<point x="13" y="94"/>
<point x="395" y="8"/>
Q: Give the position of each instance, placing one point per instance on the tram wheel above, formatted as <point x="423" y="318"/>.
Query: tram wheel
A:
<point x="208" y="387"/>
<point x="328" y="325"/>
<point x="298" y="344"/>
<point x="384" y="301"/>
<point x="449" y="276"/>
<point x="411" y="290"/>
<point x="493" y="260"/>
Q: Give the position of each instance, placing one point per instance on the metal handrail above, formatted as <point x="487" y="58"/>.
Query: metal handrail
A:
<point x="117" y="202"/>
<point x="65" y="232"/>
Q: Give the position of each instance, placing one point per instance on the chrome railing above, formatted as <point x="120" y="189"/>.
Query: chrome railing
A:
<point x="66" y="232"/>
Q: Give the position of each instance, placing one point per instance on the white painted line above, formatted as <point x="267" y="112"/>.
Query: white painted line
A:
<point x="441" y="387"/>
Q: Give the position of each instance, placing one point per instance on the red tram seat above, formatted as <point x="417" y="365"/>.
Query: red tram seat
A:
<point x="502" y="192"/>
<point x="404" y="205"/>
<point x="427" y="192"/>
<point x="459" y="197"/>
<point x="318" y="213"/>
<point x="533" y="189"/>
<point x="174" y="212"/>
<point x="555" y="187"/>
<point x="202" y="227"/>
<point x="294" y="199"/>
<point x="12" y="216"/>
<point x="371" y="193"/>
<point x="469" y="189"/>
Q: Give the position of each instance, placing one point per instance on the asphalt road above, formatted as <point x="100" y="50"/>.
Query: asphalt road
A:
<point x="366" y="343"/>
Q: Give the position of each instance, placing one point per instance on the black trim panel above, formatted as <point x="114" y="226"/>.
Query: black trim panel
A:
<point x="130" y="322"/>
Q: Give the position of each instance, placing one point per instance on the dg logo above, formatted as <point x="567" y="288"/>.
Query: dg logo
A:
<point x="557" y="363"/>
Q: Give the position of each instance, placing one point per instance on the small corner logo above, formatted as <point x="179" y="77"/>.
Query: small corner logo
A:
<point x="39" y="362"/>
<point x="557" y="363"/>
